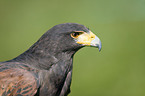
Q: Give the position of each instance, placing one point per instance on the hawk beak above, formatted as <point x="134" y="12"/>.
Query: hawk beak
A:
<point x="89" y="39"/>
<point x="96" y="43"/>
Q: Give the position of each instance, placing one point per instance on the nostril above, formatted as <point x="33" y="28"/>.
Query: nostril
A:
<point x="92" y="37"/>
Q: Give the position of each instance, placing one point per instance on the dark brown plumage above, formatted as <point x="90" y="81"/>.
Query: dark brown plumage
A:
<point x="45" y="69"/>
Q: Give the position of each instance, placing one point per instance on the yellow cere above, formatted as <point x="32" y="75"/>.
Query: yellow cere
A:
<point x="85" y="38"/>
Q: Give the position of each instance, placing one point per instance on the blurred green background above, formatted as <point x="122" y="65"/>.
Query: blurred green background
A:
<point x="118" y="70"/>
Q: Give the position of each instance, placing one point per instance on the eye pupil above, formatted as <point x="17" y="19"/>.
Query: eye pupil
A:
<point x="75" y="34"/>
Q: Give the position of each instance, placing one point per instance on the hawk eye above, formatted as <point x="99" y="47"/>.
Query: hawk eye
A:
<point x="76" y="34"/>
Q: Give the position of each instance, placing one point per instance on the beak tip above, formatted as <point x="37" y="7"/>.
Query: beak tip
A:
<point x="99" y="49"/>
<point x="100" y="46"/>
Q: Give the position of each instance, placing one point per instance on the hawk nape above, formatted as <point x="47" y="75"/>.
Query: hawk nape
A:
<point x="45" y="69"/>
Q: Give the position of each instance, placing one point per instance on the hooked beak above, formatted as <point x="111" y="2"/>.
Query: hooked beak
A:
<point x="96" y="43"/>
<point x="89" y="39"/>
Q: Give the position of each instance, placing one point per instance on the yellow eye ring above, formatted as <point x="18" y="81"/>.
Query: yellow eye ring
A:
<point x="76" y="34"/>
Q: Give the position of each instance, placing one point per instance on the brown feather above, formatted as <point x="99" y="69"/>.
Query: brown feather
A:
<point x="15" y="81"/>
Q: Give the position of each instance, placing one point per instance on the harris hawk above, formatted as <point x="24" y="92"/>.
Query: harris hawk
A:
<point x="45" y="69"/>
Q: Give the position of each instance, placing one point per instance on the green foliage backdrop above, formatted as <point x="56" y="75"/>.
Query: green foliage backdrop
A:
<point x="118" y="70"/>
